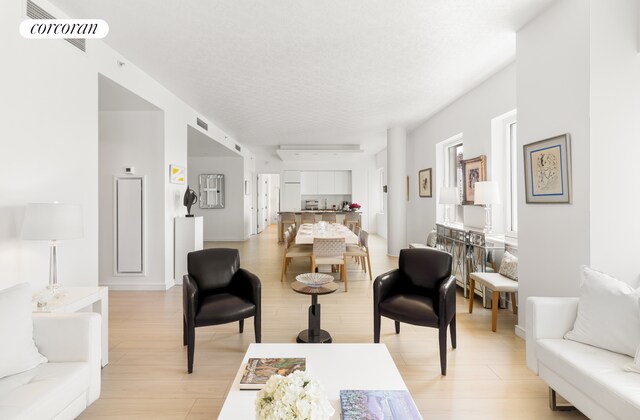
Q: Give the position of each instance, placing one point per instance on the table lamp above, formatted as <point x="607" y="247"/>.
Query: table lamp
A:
<point x="448" y="195"/>
<point x="52" y="222"/>
<point x="487" y="194"/>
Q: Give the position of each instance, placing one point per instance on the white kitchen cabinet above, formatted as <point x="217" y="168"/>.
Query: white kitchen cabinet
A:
<point x="291" y="176"/>
<point x="326" y="182"/>
<point x="291" y="200"/>
<point x="308" y="183"/>
<point x="342" y="182"/>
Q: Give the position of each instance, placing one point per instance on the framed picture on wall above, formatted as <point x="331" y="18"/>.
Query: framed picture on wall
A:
<point x="547" y="170"/>
<point x="176" y="174"/>
<point x="424" y="183"/>
<point x="473" y="170"/>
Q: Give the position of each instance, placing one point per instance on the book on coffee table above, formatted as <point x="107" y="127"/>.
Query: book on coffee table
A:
<point x="378" y="405"/>
<point x="259" y="370"/>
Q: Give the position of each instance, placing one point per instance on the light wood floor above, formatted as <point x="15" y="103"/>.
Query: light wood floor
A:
<point x="146" y="377"/>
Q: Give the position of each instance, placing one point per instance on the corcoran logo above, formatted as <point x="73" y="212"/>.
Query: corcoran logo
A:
<point x="64" y="28"/>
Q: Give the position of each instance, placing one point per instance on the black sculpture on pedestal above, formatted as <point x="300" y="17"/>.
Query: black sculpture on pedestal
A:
<point x="190" y="198"/>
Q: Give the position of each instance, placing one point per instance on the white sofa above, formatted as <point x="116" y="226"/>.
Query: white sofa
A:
<point x="69" y="382"/>
<point x="590" y="378"/>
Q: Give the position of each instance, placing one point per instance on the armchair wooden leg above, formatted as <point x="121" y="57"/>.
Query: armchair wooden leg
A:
<point x="376" y="328"/>
<point x="495" y="301"/>
<point x="397" y="327"/>
<point x="443" y="350"/>
<point x="191" y="345"/>
<point x="241" y="326"/>
<point x="452" y="329"/>
<point x="472" y="293"/>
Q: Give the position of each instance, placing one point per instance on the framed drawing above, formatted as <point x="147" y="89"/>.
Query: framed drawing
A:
<point x="424" y="183"/>
<point x="176" y="174"/>
<point x="547" y="170"/>
<point x="473" y="170"/>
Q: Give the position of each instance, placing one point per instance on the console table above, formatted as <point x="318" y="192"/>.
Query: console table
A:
<point x="77" y="299"/>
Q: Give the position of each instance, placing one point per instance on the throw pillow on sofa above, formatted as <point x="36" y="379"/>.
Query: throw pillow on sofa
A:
<point x="608" y="314"/>
<point x="18" y="352"/>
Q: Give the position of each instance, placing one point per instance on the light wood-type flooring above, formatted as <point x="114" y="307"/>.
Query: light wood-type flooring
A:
<point x="147" y="379"/>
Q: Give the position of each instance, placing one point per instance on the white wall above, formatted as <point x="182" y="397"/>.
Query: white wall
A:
<point x="553" y="98"/>
<point x="227" y="224"/>
<point x="49" y="143"/>
<point x="470" y="115"/>
<point x="615" y="128"/>
<point x="362" y="177"/>
<point x="48" y="151"/>
<point x="132" y="138"/>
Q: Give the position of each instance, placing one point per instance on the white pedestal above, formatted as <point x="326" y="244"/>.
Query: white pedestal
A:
<point x="188" y="234"/>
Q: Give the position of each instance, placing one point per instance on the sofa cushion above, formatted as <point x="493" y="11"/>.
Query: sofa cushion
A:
<point x="43" y="392"/>
<point x="608" y="314"/>
<point x="509" y="266"/>
<point x="596" y="372"/>
<point x="18" y="352"/>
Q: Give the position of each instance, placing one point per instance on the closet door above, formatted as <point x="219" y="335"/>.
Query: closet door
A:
<point x="129" y="229"/>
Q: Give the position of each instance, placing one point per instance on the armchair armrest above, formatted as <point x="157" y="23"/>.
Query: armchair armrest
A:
<point x="383" y="285"/>
<point x="71" y="337"/>
<point x="547" y="317"/>
<point x="247" y="285"/>
<point x="189" y="297"/>
<point x="447" y="300"/>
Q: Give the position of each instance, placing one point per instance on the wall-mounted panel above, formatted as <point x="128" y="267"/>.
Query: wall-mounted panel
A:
<point x="129" y="226"/>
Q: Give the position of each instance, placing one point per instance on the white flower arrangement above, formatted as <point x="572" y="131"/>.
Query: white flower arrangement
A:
<point x="296" y="396"/>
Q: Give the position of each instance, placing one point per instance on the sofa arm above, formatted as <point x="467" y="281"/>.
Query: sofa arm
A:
<point x="71" y="337"/>
<point x="547" y="317"/>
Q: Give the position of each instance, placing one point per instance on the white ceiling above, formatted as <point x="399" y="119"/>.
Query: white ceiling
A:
<point x="313" y="72"/>
<point x="201" y="145"/>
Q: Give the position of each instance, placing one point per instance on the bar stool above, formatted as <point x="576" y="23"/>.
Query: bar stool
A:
<point x="352" y="220"/>
<point x="329" y="217"/>
<point x="308" y="218"/>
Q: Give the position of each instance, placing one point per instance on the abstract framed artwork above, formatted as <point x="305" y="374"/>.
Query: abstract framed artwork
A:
<point x="424" y="183"/>
<point x="547" y="170"/>
<point x="473" y="170"/>
<point x="176" y="174"/>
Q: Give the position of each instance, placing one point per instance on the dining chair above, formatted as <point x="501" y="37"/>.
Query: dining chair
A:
<point x="286" y="220"/>
<point x="292" y="251"/>
<point x="361" y="252"/>
<point x="421" y="292"/>
<point x="329" y="217"/>
<point x="352" y="220"/>
<point x="330" y="251"/>
<point x="217" y="291"/>
<point x="308" y="218"/>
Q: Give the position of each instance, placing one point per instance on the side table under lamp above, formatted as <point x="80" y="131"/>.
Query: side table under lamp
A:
<point x="52" y="222"/>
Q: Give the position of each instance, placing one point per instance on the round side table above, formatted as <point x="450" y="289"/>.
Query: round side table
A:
<point x="314" y="334"/>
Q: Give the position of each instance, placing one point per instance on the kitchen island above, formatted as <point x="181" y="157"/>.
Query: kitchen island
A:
<point x="340" y="215"/>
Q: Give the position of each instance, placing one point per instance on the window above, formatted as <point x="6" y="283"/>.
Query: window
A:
<point x="453" y="155"/>
<point x="511" y="144"/>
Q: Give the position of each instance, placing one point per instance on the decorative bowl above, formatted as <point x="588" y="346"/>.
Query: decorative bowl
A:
<point x="314" y="279"/>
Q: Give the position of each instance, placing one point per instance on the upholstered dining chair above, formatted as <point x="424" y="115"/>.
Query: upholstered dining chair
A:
<point x="329" y="217"/>
<point x="330" y="251"/>
<point x="352" y="220"/>
<point x="361" y="252"/>
<point x="422" y="292"/>
<point x="308" y="218"/>
<point x="286" y="219"/>
<point x="292" y="251"/>
<point x="217" y="291"/>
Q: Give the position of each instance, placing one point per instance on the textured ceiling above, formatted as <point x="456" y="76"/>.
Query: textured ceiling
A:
<point x="310" y="71"/>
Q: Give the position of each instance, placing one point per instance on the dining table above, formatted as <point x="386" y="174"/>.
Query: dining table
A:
<point x="308" y="231"/>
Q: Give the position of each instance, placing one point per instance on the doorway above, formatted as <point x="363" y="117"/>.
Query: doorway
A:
<point x="267" y="200"/>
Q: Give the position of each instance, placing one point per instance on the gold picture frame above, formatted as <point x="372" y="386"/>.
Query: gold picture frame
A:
<point x="473" y="170"/>
<point x="425" y="183"/>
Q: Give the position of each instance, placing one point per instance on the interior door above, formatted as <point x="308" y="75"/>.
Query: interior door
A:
<point x="263" y="201"/>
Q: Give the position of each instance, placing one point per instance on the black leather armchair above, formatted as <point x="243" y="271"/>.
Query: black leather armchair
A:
<point x="421" y="292"/>
<point x="217" y="291"/>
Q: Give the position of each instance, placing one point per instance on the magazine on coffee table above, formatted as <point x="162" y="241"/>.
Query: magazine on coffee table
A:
<point x="378" y="405"/>
<point x="259" y="370"/>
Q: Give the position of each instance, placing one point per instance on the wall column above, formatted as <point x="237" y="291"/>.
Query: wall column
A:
<point x="396" y="190"/>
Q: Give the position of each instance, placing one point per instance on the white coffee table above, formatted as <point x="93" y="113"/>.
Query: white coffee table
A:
<point x="335" y="366"/>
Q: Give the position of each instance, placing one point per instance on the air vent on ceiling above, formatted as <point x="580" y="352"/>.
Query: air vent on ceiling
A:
<point x="238" y="148"/>
<point x="202" y="124"/>
<point x="36" y="12"/>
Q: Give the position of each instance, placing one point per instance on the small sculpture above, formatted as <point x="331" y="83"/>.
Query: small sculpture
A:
<point x="190" y="198"/>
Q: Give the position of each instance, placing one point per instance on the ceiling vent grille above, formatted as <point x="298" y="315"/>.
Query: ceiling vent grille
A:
<point x="36" y="12"/>
<point x="202" y="124"/>
<point x="238" y="148"/>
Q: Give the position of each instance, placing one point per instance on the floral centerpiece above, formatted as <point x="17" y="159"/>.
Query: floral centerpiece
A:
<point x="295" y="396"/>
<point x="354" y="206"/>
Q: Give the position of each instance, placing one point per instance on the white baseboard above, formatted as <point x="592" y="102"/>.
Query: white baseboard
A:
<point x="138" y="286"/>
<point x="234" y="239"/>
<point x="520" y="332"/>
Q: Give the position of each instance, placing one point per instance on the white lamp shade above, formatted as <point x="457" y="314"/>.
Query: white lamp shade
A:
<point x="486" y="192"/>
<point x="449" y="195"/>
<point x="52" y="221"/>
